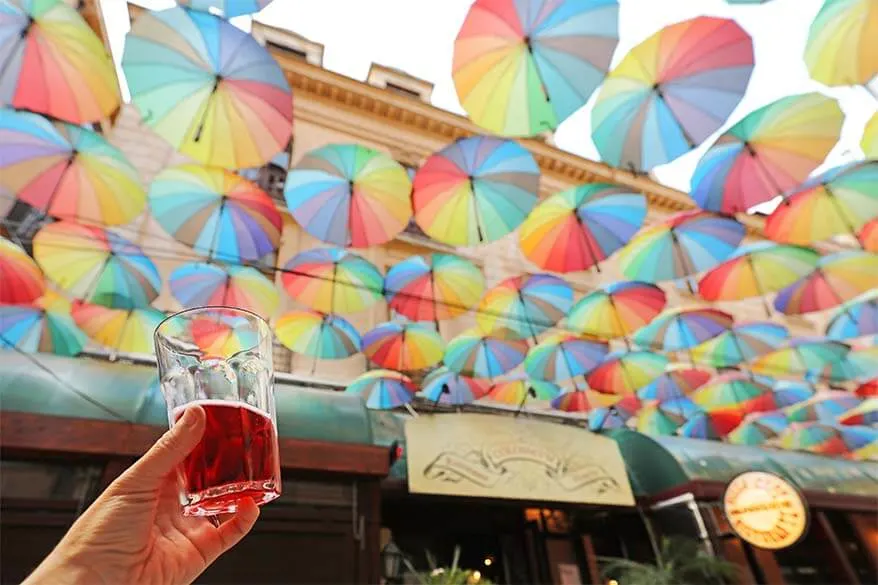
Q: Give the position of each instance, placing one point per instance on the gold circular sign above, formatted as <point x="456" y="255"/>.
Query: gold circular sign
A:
<point x="765" y="510"/>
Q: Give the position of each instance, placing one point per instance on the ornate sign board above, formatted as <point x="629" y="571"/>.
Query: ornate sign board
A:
<point x="486" y="456"/>
<point x="765" y="510"/>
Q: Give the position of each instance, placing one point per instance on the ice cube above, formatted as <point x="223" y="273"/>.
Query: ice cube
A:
<point x="178" y="387"/>
<point x="215" y="379"/>
<point x="254" y="379"/>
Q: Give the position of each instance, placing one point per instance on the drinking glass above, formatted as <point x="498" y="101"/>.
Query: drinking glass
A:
<point x="220" y="359"/>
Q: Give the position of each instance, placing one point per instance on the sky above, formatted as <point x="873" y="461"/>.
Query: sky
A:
<point x="417" y="36"/>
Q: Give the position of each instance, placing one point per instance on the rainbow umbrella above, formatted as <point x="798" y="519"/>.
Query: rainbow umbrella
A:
<point x="383" y="389"/>
<point x="867" y="389"/>
<point x="481" y="355"/>
<point x="759" y="427"/>
<point x="589" y="223"/>
<point x="771" y="151"/>
<point x="39" y="329"/>
<point x="615" y="415"/>
<point x="229" y="8"/>
<point x="865" y="413"/>
<point x="97" y="265"/>
<point x="331" y="280"/>
<point x="787" y="393"/>
<point x="868" y="236"/>
<point x="21" y="280"/>
<point x="562" y="356"/>
<point x="475" y="190"/>
<point x="403" y="346"/>
<point x="67" y="171"/>
<point x="208" y="88"/>
<point x="216" y="212"/>
<point x="679" y="329"/>
<point x="665" y="417"/>
<point x="674" y="384"/>
<point x="681" y="245"/>
<point x="429" y="288"/>
<point x="869" y="142"/>
<point x="840" y="201"/>
<point x="526" y="305"/>
<point x="616" y="310"/>
<point x="708" y="425"/>
<point x="443" y="386"/>
<point x="326" y="337"/>
<point x="862" y="361"/>
<point x="855" y="318"/>
<point x="51" y="62"/>
<point x="221" y="334"/>
<point x="823" y="407"/>
<point x="741" y="343"/>
<point x="671" y="92"/>
<point x="349" y="195"/>
<point x="125" y="330"/>
<point x="572" y="401"/>
<point x="199" y="284"/>
<point x="523" y="68"/>
<point x="836" y="279"/>
<point x="730" y="396"/>
<point x="626" y="372"/>
<point x="841" y="43"/>
<point x="515" y="391"/>
<point x="827" y="439"/>
<point x="803" y="357"/>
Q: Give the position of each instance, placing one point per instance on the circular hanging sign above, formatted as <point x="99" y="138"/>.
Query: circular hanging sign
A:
<point x="765" y="510"/>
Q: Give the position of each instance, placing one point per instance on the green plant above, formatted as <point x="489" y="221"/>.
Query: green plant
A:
<point x="681" y="561"/>
<point x="452" y="575"/>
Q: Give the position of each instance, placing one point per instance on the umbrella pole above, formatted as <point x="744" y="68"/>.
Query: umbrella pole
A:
<point x="619" y="321"/>
<point x="759" y="288"/>
<point x="472" y="188"/>
<point x="444" y="390"/>
<point x="200" y="129"/>
<point x="591" y="252"/>
<point x="844" y="218"/>
<point x="682" y="257"/>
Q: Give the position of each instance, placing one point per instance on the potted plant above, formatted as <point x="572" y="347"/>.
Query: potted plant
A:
<point x="680" y="561"/>
<point x="452" y="575"/>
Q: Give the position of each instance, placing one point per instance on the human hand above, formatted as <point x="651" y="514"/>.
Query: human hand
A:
<point x="135" y="532"/>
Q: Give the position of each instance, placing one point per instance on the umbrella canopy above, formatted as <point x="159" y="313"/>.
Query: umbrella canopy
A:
<point x="526" y="305"/>
<point x="802" y="357"/>
<point x="840" y="48"/>
<point x="515" y="391"/>
<point x="443" y="386"/>
<point x="787" y="393"/>
<point x="97" y="265"/>
<point x="52" y="62"/>
<point x="198" y="284"/>
<point x="674" y="384"/>
<point x="837" y="278"/>
<point x="855" y="318"/>
<point x="429" y="288"/>
<point x="331" y="280"/>
<point x="38" y="329"/>
<point x="383" y="389"/>
<point x="678" y="329"/>
<point x="403" y="346"/>
<point x="732" y="395"/>
<point x="827" y="439"/>
<point x="867" y="389"/>
<point x="864" y="414"/>
<point x="665" y="417"/>
<point x="840" y="201"/>
<point x="125" y="330"/>
<point x="862" y="362"/>
<point x="573" y="401"/>
<point x="617" y="309"/>
<point x="626" y="372"/>
<point x="208" y="88"/>
<point x="771" y="151"/>
<point x="671" y="92"/>
<point x="522" y="68"/>
<point x="741" y="343"/>
<point x="216" y="212"/>
<point x="869" y="142"/>
<point x="823" y="407"/>
<point x="708" y="425"/>
<point x="322" y="336"/>
<point x="759" y="427"/>
<point x="475" y="190"/>
<point x="562" y="356"/>
<point x="680" y="246"/>
<point x="220" y="334"/>
<point x="349" y="195"/>
<point x="67" y="171"/>
<point x="868" y="236"/>
<point x="482" y="355"/>
<point x="21" y="280"/>
<point x="589" y="223"/>
<point x="229" y="8"/>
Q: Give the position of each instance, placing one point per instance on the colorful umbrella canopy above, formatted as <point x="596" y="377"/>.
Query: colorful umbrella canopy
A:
<point x="216" y="212"/>
<point x="836" y="279"/>
<point x="678" y="329"/>
<point x="582" y="400"/>
<point x="429" y="288"/>
<point x="787" y="393"/>
<point x="588" y="222"/>
<point x="403" y="346"/>
<point x="741" y="343"/>
<point x="229" y="8"/>
<point x="322" y="336"/>
<point x="617" y="309"/>
<point x="125" y="330"/>
<point x="823" y="407"/>
<point x="562" y="356"/>
<point x="865" y="413"/>
<point x="51" y="62"/>
<point x="626" y="372"/>
<point x="208" y="88"/>
<point x="868" y="236"/>
<point x="199" y="284"/>
<point x="665" y="417"/>
<point x="679" y="246"/>
<point x="840" y="201"/>
<point x="826" y="439"/>
<point x="475" y="190"/>
<point x="603" y="418"/>
<point x="869" y="142"/>
<point x="801" y="357"/>
<point x="674" y="384"/>
<point x="573" y="401"/>
<point x="21" y="280"/>
<point x="331" y="280"/>
<point x="67" y="171"/>
<point x="515" y="391"/>
<point x="481" y="355"/>
<point x="38" y="329"/>
<point x="97" y="265"/>
<point x="708" y="425"/>
<point x="443" y="386"/>
<point x="840" y="48"/>
<point x="671" y="92"/>
<point x="221" y="334"/>
<point x="867" y="389"/>
<point x="522" y="68"/>
<point x="759" y="427"/>
<point x="349" y="195"/>
<point x="732" y="395"/>
<point x="771" y="151"/>
<point x="862" y="362"/>
<point x="526" y="305"/>
<point x="383" y="389"/>
<point x="855" y="318"/>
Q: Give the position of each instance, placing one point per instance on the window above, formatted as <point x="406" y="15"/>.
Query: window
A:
<point x="23" y="222"/>
<point x="272" y="176"/>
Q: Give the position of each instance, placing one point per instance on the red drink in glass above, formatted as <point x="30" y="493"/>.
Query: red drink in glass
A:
<point x="236" y="458"/>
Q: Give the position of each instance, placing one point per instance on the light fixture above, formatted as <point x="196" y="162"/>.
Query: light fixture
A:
<point x="391" y="558"/>
<point x="489" y="561"/>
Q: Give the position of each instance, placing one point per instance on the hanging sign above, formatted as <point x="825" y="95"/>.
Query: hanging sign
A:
<point x="765" y="510"/>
